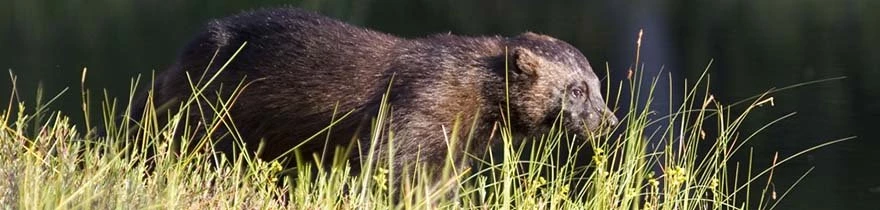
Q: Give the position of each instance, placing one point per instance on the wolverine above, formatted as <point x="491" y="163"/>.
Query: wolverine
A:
<point x="299" y="72"/>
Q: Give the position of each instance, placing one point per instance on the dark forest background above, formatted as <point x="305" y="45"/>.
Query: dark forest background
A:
<point x="755" y="45"/>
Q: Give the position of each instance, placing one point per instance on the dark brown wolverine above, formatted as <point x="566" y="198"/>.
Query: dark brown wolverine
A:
<point x="301" y="66"/>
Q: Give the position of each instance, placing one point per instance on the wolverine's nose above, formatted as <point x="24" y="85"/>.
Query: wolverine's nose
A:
<point x="609" y="118"/>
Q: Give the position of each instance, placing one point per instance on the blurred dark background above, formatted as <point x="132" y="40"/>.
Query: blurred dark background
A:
<point x="756" y="45"/>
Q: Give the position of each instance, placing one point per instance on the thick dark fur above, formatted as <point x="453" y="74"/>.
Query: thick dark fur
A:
<point x="300" y="65"/>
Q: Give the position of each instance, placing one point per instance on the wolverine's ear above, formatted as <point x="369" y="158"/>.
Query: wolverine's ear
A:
<point x="526" y="61"/>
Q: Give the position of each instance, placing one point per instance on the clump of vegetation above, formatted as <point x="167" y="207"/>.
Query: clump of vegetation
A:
<point x="48" y="162"/>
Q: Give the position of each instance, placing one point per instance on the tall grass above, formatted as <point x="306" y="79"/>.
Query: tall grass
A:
<point x="48" y="162"/>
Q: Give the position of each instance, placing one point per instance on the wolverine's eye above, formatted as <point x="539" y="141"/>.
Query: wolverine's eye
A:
<point x="577" y="93"/>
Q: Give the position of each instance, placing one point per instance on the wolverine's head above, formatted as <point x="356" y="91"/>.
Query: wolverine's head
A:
<point x="552" y="79"/>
